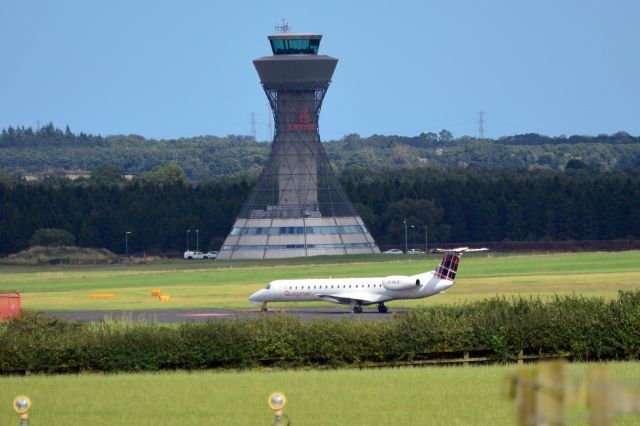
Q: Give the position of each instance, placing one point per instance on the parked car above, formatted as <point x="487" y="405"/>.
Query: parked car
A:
<point x="393" y="251"/>
<point x="211" y="254"/>
<point x="189" y="254"/>
<point x="415" y="251"/>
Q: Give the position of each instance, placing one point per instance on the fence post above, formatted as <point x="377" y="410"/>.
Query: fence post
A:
<point x="525" y="396"/>
<point x="600" y="396"/>
<point x="520" y="357"/>
<point x="550" y="393"/>
<point x="465" y="358"/>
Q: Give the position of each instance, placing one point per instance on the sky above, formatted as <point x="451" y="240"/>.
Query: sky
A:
<point x="170" y="69"/>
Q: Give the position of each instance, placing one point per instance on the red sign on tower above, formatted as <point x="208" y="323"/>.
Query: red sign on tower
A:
<point x="303" y="124"/>
<point x="304" y="116"/>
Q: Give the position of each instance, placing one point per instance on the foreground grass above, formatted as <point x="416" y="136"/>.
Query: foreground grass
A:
<point x="407" y="396"/>
<point x="227" y="285"/>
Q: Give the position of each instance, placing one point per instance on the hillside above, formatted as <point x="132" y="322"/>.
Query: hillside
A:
<point x="50" y="151"/>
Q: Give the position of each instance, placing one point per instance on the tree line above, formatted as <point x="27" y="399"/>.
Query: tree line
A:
<point x="52" y="151"/>
<point x="454" y="204"/>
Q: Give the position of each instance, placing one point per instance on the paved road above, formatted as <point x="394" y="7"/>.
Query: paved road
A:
<point x="200" y="315"/>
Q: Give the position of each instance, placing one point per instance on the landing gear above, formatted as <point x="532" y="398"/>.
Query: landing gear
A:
<point x="356" y="307"/>
<point x="263" y="307"/>
<point x="382" y="309"/>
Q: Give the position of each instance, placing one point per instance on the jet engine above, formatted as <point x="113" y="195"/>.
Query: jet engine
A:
<point x="400" y="282"/>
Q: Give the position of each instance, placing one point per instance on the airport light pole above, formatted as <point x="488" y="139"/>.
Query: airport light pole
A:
<point x="426" y="239"/>
<point x="197" y="240"/>
<point x="405" y="236"/>
<point x="22" y="405"/>
<point x="414" y="236"/>
<point x="126" y="243"/>
<point x="188" y="230"/>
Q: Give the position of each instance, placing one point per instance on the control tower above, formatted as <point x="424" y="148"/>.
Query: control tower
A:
<point x="298" y="207"/>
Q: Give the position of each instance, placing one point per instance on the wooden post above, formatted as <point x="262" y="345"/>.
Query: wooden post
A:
<point x="465" y="358"/>
<point x="520" y="357"/>
<point x="550" y="394"/>
<point x="525" y="396"/>
<point x="600" y="396"/>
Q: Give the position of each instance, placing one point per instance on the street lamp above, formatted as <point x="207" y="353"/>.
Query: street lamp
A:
<point x="405" y="236"/>
<point x="197" y="240"/>
<point x="22" y="405"/>
<point x="126" y="243"/>
<point x="188" y="230"/>
<point x="426" y="239"/>
<point x="413" y="228"/>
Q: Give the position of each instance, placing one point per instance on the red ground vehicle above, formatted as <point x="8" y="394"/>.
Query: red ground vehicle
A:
<point x="10" y="304"/>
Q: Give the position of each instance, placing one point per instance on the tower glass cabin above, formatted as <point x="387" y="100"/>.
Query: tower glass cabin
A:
<point x="298" y="207"/>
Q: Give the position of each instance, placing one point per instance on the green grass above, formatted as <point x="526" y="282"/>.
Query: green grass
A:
<point x="228" y="284"/>
<point x="407" y="396"/>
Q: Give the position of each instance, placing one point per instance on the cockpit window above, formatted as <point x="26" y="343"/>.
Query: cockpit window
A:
<point x="268" y="286"/>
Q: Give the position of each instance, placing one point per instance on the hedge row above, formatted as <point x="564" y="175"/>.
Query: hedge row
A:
<point x="586" y="328"/>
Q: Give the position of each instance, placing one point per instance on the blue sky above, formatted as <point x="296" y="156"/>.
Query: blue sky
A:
<point x="183" y="68"/>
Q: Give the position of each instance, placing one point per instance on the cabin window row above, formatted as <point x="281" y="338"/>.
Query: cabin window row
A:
<point x="297" y="246"/>
<point x="328" y="287"/>
<point x="299" y="230"/>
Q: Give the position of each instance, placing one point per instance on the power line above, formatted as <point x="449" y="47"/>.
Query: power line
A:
<point x="252" y="123"/>
<point x="481" y="125"/>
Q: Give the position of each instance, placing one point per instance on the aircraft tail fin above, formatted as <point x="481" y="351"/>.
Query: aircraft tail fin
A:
<point x="449" y="264"/>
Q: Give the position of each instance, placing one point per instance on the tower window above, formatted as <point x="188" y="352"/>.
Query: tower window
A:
<point x="295" y="46"/>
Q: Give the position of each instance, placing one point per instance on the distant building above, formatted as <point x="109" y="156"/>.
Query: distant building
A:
<point x="298" y="207"/>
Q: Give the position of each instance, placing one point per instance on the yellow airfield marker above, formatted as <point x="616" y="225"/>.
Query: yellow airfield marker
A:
<point x="102" y="296"/>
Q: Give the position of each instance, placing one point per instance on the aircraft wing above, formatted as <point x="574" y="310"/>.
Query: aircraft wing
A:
<point x="346" y="298"/>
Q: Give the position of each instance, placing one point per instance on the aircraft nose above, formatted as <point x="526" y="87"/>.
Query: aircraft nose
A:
<point x="257" y="297"/>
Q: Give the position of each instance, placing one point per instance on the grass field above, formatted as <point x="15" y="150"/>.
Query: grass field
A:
<point x="227" y="285"/>
<point x="408" y="396"/>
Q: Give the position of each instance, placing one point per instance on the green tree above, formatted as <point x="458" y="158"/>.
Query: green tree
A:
<point x="445" y="136"/>
<point x="575" y="164"/>
<point x="52" y="237"/>
<point x="169" y="174"/>
<point x="107" y="174"/>
<point x="9" y="179"/>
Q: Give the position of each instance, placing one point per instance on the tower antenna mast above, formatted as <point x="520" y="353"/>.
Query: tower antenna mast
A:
<point x="283" y="27"/>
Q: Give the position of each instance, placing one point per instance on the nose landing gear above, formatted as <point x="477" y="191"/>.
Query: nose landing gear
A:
<point x="356" y="306"/>
<point x="263" y="307"/>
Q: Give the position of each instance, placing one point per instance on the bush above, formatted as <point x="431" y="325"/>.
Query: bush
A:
<point x="582" y="328"/>
<point x="52" y="237"/>
<point x="62" y="256"/>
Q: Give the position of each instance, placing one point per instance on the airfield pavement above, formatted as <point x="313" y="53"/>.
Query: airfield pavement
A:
<point x="201" y="315"/>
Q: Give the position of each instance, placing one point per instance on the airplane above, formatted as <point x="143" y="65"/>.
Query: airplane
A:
<point x="359" y="292"/>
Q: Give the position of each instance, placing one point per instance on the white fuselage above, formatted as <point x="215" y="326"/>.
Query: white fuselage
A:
<point x="366" y="291"/>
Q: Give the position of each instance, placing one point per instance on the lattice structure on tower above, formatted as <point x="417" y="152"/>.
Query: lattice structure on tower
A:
<point x="298" y="207"/>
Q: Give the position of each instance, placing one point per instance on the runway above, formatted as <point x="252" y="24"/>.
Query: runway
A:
<point x="202" y="315"/>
